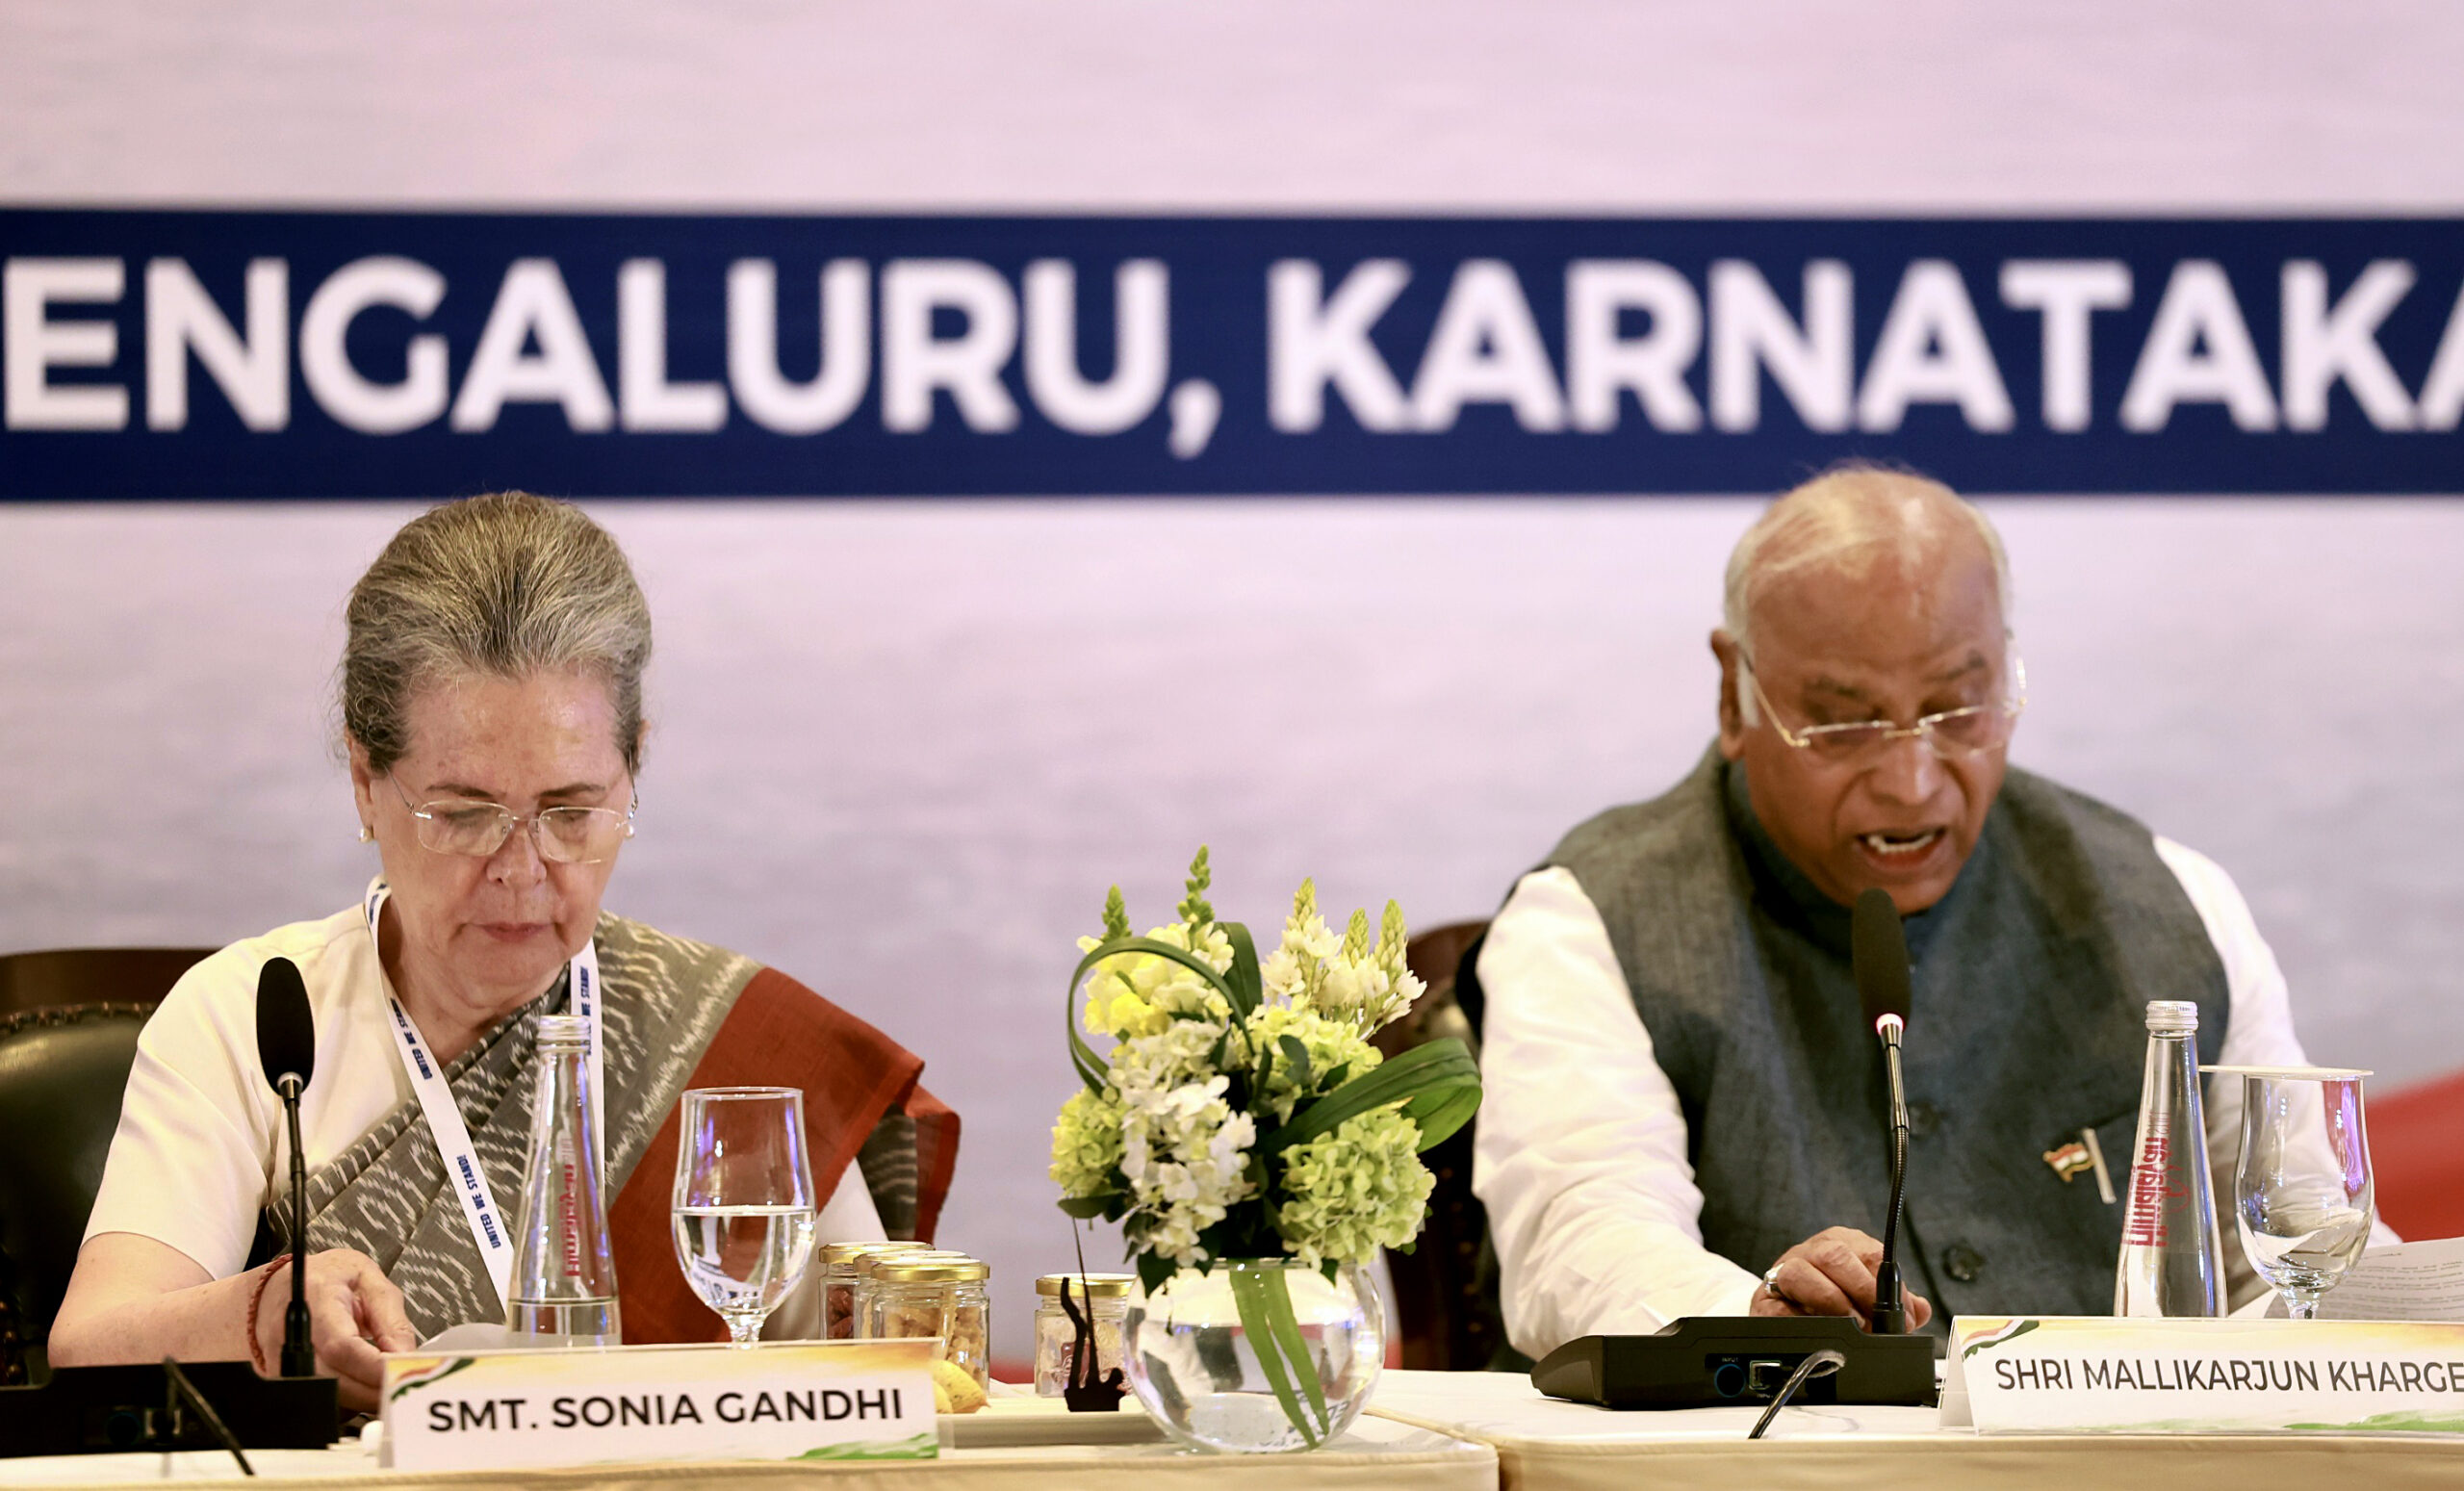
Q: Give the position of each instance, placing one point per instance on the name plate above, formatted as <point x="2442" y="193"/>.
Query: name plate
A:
<point x="2161" y="1376"/>
<point x="791" y="1400"/>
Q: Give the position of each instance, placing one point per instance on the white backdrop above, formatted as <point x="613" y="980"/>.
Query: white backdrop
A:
<point x="901" y="749"/>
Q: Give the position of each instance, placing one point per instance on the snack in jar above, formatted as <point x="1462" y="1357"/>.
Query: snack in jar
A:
<point x="861" y="1290"/>
<point x="912" y="1296"/>
<point x="838" y="1282"/>
<point x="1104" y="1299"/>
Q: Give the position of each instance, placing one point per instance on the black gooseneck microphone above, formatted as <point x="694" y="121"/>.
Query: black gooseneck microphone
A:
<point x="287" y="1049"/>
<point x="1878" y="952"/>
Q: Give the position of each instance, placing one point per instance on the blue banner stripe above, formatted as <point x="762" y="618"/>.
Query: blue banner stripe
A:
<point x="313" y="355"/>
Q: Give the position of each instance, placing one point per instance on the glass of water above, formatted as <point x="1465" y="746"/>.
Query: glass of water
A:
<point x="743" y="1206"/>
<point x="2302" y="1197"/>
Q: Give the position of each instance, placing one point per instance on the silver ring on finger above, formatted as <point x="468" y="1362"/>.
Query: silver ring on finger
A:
<point x="1771" y="1282"/>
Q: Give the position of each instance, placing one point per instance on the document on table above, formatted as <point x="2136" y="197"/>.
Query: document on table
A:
<point x="2402" y="1281"/>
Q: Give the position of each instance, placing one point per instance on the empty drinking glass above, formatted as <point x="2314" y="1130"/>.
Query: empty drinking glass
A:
<point x="743" y="1207"/>
<point x="2302" y="1200"/>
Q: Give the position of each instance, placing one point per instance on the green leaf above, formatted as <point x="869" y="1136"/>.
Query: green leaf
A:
<point x="1242" y="984"/>
<point x="1276" y="1290"/>
<point x="1154" y="1272"/>
<point x="1442" y="1112"/>
<point x="1297" y="1057"/>
<point x="1082" y="1056"/>
<point x="1087" y="1207"/>
<point x="1438" y="1083"/>
<point x="1249" y="1294"/>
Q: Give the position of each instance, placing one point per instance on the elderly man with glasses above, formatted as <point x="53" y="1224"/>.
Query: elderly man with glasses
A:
<point x="1684" y="1110"/>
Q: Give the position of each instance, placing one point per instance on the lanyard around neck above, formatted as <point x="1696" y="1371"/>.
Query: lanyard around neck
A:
<point x="462" y="1168"/>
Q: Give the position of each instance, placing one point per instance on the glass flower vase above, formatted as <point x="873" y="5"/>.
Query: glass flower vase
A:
<point x="1256" y="1357"/>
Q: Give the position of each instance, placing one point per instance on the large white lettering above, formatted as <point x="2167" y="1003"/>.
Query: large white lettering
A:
<point x="646" y="400"/>
<point x="1486" y="349"/>
<point x="914" y="362"/>
<point x="837" y="385"/>
<point x="533" y="305"/>
<point x="29" y="287"/>
<point x="1142" y="348"/>
<point x="1932" y="350"/>
<point x="1752" y="331"/>
<point x="179" y="317"/>
<point x="1314" y="340"/>
<point x="341" y="389"/>
<point x="2066" y="293"/>
<point x="2442" y="405"/>
<point x="1600" y="362"/>
<point x="2198" y="351"/>
<point x="2322" y="344"/>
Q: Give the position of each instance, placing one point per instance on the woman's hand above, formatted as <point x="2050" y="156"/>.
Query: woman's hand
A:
<point x="1831" y="1272"/>
<point x="354" y="1316"/>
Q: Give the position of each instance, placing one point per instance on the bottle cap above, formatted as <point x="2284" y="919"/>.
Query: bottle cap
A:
<point x="1102" y="1286"/>
<point x="564" y="1030"/>
<point x="869" y="1265"/>
<point x="2171" y="1016"/>
<point x="842" y="1255"/>
<point x="915" y="1268"/>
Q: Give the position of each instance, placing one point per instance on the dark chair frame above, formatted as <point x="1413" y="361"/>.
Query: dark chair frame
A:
<point x="1446" y="1289"/>
<point x="57" y="977"/>
<point x="58" y="987"/>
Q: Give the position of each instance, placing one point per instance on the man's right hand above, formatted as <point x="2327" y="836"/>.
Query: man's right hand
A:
<point x="354" y="1316"/>
<point x="1831" y="1272"/>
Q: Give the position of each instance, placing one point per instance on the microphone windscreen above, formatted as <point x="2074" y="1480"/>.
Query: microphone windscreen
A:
<point x="285" y="1030"/>
<point x="1878" y="952"/>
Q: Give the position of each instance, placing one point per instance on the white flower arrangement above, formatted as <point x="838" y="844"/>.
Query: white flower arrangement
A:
<point x="1242" y="1112"/>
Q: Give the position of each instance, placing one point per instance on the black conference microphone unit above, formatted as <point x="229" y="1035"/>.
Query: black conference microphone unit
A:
<point x="204" y="1405"/>
<point x="1878" y="952"/>
<point x="287" y="1049"/>
<point x="1704" y="1362"/>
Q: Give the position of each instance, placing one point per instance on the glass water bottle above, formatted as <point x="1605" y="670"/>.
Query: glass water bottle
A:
<point x="2170" y="1262"/>
<point x="564" y="1273"/>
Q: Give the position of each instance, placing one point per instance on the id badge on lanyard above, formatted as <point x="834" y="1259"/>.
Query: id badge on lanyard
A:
<point x="462" y="1168"/>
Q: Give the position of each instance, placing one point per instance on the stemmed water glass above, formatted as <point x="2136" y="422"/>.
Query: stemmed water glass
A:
<point x="743" y="1208"/>
<point x="2302" y="1200"/>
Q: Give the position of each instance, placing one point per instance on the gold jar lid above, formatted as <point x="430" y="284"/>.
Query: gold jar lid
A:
<point x="931" y="1270"/>
<point x="1101" y="1286"/>
<point x="869" y="1265"/>
<point x="840" y="1254"/>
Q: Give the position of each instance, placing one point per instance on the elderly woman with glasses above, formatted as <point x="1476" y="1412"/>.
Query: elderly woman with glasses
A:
<point x="492" y="706"/>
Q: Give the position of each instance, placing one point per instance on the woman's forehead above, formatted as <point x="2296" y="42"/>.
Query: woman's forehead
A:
<point x="539" y="731"/>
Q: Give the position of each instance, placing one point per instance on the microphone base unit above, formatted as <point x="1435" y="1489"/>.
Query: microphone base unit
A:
<point x="116" y="1410"/>
<point x="1732" y="1361"/>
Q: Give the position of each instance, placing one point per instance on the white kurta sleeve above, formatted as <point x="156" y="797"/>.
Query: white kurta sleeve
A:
<point x="189" y="1163"/>
<point x="1579" y="1153"/>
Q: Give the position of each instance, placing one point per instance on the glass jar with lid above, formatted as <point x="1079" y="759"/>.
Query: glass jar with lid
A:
<point x="1102" y="1298"/>
<point x="912" y="1296"/>
<point x="859" y="1290"/>
<point x="838" y="1281"/>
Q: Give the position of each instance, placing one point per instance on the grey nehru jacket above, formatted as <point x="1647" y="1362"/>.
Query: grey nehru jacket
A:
<point x="2027" y="1024"/>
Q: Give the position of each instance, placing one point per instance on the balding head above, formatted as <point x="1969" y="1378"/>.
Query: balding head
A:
<point x="1857" y="519"/>
<point x="1867" y="681"/>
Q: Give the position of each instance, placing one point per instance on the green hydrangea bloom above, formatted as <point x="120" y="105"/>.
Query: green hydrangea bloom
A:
<point x="1085" y="1144"/>
<point x="1356" y="1190"/>
<point x="1331" y="1044"/>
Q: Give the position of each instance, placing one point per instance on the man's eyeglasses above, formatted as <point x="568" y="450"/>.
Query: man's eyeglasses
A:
<point x="567" y="835"/>
<point x="1953" y="735"/>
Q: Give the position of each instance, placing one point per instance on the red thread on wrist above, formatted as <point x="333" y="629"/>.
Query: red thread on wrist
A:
<point x="257" y="1297"/>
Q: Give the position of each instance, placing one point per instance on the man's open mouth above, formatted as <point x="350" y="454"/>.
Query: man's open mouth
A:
<point x="1895" y="846"/>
